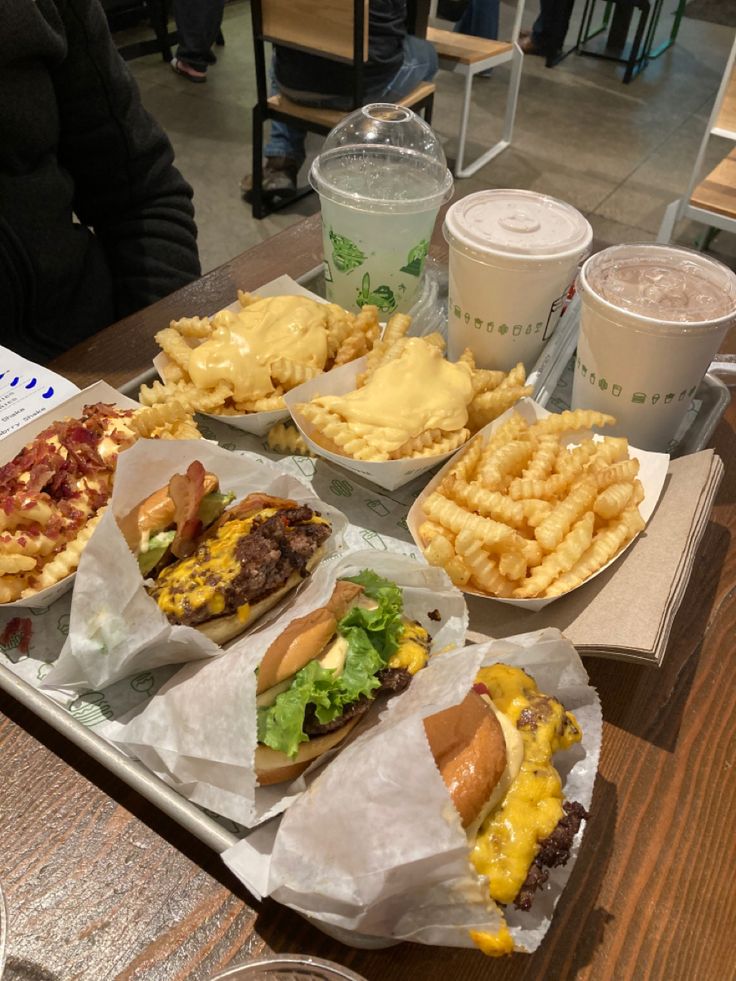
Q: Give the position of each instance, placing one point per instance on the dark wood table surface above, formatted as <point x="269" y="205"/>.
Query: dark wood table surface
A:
<point x="100" y="884"/>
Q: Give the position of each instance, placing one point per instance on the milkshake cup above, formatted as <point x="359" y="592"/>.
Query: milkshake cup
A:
<point x="513" y="257"/>
<point x="652" y="318"/>
<point x="381" y="178"/>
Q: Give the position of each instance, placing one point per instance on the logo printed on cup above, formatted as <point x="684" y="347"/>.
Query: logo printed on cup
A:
<point x="513" y="257"/>
<point x="652" y="317"/>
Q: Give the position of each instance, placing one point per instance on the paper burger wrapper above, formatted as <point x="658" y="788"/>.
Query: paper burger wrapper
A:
<point x="198" y="734"/>
<point x="389" y="474"/>
<point x="13" y="443"/>
<point x="116" y="629"/>
<point x="652" y="474"/>
<point x="376" y="848"/>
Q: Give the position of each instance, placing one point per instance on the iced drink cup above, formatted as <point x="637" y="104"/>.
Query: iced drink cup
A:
<point x="652" y="318"/>
<point x="381" y="178"/>
<point x="513" y="257"/>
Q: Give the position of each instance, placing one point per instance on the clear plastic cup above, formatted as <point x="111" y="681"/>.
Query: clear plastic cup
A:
<point x="652" y="318"/>
<point x="381" y="178"/>
<point x="288" y="968"/>
<point x="513" y="257"/>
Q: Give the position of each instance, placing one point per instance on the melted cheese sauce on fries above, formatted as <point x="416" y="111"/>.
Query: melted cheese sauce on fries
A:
<point x="242" y="352"/>
<point x="416" y="392"/>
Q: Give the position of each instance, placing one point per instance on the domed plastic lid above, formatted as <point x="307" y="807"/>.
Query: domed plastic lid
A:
<point x="514" y="222"/>
<point x="383" y="157"/>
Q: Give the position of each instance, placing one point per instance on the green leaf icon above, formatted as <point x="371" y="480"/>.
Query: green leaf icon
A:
<point x="382" y="297"/>
<point x="415" y="259"/>
<point x="345" y="254"/>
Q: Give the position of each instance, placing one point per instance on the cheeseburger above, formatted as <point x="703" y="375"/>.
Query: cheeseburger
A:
<point x="218" y="567"/>
<point x="321" y="675"/>
<point x="494" y="751"/>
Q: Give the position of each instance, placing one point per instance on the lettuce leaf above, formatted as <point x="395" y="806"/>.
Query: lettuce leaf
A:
<point x="372" y="636"/>
<point x="155" y="551"/>
<point x="212" y="506"/>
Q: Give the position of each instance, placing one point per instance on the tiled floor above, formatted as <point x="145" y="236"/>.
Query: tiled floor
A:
<point x="620" y="153"/>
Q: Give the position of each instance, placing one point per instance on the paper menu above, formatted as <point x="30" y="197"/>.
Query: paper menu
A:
<point x="27" y="390"/>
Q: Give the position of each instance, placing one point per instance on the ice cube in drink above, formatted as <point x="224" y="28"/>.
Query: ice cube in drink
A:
<point x="674" y="289"/>
<point x="652" y="318"/>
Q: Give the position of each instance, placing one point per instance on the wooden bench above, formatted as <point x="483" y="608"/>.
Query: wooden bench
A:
<point x="717" y="193"/>
<point x="469" y="56"/>
<point x="711" y="200"/>
<point x="331" y="117"/>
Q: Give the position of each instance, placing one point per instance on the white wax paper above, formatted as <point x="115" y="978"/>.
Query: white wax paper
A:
<point x="652" y="474"/>
<point x="198" y="734"/>
<point x="116" y="629"/>
<point x="375" y="848"/>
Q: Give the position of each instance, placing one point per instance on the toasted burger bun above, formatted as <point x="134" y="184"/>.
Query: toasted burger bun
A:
<point x="305" y="638"/>
<point x="478" y="752"/>
<point x="155" y="513"/>
<point x="275" y="767"/>
<point x="224" y="628"/>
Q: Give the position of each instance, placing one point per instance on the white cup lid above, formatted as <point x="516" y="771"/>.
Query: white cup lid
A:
<point x="521" y="223"/>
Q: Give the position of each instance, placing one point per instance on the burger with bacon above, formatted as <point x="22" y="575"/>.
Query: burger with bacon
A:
<point x="215" y="565"/>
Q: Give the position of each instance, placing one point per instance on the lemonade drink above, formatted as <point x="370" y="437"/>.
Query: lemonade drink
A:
<point x="375" y="256"/>
<point x="652" y="318"/>
<point x="381" y="178"/>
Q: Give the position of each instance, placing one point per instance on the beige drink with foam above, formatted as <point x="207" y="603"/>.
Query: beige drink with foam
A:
<point x="652" y="318"/>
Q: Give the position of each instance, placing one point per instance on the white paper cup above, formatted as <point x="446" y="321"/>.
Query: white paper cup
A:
<point x="513" y="258"/>
<point x="630" y="363"/>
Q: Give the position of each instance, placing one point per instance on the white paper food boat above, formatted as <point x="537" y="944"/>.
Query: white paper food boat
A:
<point x="388" y="474"/>
<point x="12" y="444"/>
<point x="652" y="474"/>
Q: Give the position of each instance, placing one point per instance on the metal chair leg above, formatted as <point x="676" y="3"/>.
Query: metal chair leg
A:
<point x="257" y="203"/>
<point x="631" y="64"/>
<point x="462" y="135"/>
<point x="159" y="16"/>
<point x="668" y="222"/>
<point x="428" y="109"/>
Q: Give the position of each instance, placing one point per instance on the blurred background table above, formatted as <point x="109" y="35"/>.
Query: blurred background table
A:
<point x="101" y="885"/>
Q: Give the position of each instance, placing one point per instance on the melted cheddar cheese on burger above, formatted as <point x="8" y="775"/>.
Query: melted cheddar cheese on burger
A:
<point x="254" y="554"/>
<point x="533" y="826"/>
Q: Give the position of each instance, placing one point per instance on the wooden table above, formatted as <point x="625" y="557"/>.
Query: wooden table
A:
<point x="101" y="885"/>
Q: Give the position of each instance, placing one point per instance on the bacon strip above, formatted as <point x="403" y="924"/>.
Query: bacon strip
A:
<point x="187" y="491"/>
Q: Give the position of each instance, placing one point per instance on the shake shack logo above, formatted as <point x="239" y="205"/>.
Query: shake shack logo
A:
<point x="17" y="635"/>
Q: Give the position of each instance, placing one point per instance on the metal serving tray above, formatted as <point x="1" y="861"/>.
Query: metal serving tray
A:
<point x="551" y="380"/>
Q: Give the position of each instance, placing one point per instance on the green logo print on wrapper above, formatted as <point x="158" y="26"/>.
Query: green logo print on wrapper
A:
<point x="382" y="297"/>
<point x="341" y="488"/>
<point x="91" y="708"/>
<point x="373" y="539"/>
<point x="345" y="254"/>
<point x="415" y="259"/>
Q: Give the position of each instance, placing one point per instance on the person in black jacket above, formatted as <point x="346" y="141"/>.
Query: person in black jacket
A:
<point x="397" y="63"/>
<point x="95" y="221"/>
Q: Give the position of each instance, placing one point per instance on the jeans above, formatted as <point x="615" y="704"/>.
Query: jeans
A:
<point x="420" y="65"/>
<point x="480" y="18"/>
<point x="550" y="28"/>
<point x="198" y="22"/>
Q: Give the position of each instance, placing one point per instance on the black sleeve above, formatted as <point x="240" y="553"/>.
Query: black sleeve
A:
<point x="121" y="161"/>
